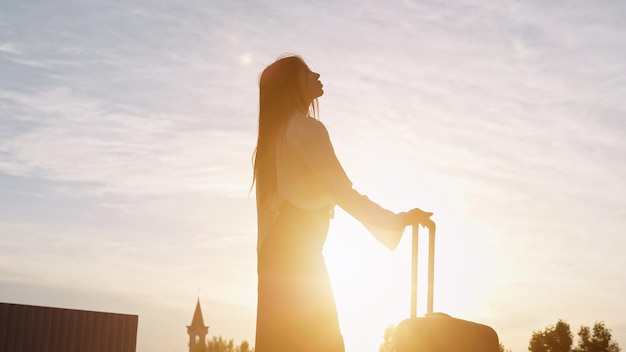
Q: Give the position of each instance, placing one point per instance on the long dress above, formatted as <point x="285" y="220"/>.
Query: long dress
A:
<point x="296" y="309"/>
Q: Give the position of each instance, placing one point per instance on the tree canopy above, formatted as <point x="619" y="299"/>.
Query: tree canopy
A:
<point x="558" y="338"/>
<point x="597" y="339"/>
<point x="220" y="344"/>
<point x="389" y="339"/>
<point x="554" y="338"/>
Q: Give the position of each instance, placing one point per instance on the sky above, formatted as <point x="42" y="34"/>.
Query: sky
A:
<point x="127" y="130"/>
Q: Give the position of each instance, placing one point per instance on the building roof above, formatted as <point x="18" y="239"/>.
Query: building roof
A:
<point x="37" y="328"/>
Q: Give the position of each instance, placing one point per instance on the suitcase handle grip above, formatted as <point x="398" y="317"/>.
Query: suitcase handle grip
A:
<point x="431" y="268"/>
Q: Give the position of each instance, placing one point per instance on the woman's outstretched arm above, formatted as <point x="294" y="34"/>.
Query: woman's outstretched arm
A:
<point x="315" y="148"/>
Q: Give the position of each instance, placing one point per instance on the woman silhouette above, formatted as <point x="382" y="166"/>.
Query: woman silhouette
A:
<point x="298" y="183"/>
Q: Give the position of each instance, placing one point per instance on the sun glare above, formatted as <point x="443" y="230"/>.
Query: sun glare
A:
<point x="246" y="59"/>
<point x="362" y="275"/>
<point x="372" y="284"/>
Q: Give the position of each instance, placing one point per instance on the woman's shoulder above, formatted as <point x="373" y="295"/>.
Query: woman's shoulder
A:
<point x="302" y="126"/>
<point x="306" y="124"/>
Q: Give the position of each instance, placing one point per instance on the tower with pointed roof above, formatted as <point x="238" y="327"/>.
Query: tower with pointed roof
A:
<point x="197" y="331"/>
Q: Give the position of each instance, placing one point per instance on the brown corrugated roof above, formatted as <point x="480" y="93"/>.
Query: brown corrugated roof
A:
<point x="26" y="328"/>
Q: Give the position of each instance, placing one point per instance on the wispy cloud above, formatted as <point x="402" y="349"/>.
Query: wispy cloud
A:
<point x="80" y="139"/>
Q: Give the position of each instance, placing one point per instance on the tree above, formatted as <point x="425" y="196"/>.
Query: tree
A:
<point x="555" y="338"/>
<point x="503" y="349"/>
<point x="389" y="340"/>
<point x="597" y="341"/>
<point x="220" y="344"/>
<point x="244" y="347"/>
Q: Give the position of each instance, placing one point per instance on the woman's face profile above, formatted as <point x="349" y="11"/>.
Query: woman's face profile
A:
<point x="312" y="85"/>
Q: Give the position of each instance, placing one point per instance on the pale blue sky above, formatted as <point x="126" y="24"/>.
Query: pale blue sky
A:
<point x="127" y="128"/>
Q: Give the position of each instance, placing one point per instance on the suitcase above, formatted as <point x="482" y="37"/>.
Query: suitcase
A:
<point x="439" y="332"/>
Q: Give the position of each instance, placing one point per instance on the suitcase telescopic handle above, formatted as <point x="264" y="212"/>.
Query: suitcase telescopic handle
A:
<point x="431" y="268"/>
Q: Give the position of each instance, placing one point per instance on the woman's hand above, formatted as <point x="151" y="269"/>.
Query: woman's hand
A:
<point x="418" y="216"/>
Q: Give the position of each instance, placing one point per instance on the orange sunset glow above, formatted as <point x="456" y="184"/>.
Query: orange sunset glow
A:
<point x="127" y="131"/>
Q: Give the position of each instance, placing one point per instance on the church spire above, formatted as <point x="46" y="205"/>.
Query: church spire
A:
<point x="197" y="320"/>
<point x="197" y="331"/>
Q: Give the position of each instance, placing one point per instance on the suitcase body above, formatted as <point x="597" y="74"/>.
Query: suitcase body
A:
<point x="438" y="332"/>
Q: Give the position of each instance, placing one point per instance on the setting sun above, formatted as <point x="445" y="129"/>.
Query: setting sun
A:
<point x="372" y="284"/>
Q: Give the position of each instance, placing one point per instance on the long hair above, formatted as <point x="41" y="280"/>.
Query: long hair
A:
<point x="281" y="93"/>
